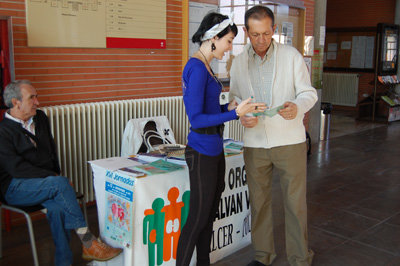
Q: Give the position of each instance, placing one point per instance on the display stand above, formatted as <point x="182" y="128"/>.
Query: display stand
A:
<point x="389" y="104"/>
<point x="386" y="61"/>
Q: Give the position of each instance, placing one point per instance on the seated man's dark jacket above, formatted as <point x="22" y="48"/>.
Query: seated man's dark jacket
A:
<point x="20" y="158"/>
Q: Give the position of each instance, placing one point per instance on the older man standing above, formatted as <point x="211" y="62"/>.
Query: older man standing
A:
<point x="276" y="75"/>
<point x="30" y="174"/>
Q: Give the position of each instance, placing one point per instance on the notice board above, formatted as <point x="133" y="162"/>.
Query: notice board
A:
<point x="290" y="26"/>
<point x="96" y="23"/>
<point x="350" y="49"/>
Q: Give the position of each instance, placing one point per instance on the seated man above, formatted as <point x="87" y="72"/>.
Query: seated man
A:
<point x="30" y="174"/>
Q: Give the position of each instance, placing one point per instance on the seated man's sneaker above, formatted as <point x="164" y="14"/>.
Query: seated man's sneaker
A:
<point x="100" y="251"/>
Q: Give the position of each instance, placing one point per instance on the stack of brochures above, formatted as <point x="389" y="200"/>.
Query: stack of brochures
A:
<point x="131" y="171"/>
<point x="151" y="157"/>
<point x="232" y="147"/>
<point x="158" y="167"/>
<point x="389" y="79"/>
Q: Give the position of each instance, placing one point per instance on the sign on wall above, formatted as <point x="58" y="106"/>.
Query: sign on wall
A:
<point x="119" y="200"/>
<point x="97" y="23"/>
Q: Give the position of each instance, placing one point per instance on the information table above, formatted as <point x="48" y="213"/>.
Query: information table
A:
<point x="145" y="215"/>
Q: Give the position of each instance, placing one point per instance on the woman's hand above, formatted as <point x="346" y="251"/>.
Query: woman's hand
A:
<point x="246" y="107"/>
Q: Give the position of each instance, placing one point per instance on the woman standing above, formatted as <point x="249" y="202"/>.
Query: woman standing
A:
<point x="204" y="152"/>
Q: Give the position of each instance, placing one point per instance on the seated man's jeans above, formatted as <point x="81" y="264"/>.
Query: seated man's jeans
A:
<point x="63" y="211"/>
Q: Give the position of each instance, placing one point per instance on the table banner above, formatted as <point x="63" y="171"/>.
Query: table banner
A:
<point x="159" y="210"/>
<point x="162" y="206"/>
<point x="231" y="229"/>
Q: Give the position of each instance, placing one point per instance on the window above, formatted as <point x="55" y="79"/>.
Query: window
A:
<point x="290" y="28"/>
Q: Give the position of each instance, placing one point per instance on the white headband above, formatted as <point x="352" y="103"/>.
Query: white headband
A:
<point x="217" y="28"/>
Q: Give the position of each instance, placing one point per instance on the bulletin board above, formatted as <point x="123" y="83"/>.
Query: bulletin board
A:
<point x="96" y="23"/>
<point x="290" y="22"/>
<point x="350" y="49"/>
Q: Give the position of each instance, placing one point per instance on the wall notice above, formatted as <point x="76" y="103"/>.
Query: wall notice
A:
<point x="96" y="23"/>
<point x="362" y="52"/>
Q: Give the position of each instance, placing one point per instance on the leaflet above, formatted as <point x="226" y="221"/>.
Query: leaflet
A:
<point x="270" y="112"/>
<point x="150" y="157"/>
<point x="166" y="166"/>
<point x="131" y="171"/>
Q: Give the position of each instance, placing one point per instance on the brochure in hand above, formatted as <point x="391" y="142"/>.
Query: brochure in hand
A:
<point x="270" y="112"/>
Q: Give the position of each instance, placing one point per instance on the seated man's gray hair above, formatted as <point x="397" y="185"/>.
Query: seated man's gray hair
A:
<point x="13" y="90"/>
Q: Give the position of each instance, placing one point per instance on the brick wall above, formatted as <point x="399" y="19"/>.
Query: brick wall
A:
<point x="360" y="13"/>
<point x="309" y="5"/>
<point x="70" y="75"/>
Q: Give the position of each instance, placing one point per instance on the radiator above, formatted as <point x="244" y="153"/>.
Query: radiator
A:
<point x="90" y="131"/>
<point x="340" y="88"/>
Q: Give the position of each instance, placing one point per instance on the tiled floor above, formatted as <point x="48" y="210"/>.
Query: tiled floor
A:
<point x="353" y="198"/>
<point x="353" y="204"/>
<point x="344" y="123"/>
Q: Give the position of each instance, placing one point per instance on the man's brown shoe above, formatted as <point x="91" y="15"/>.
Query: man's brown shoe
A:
<point x="100" y="251"/>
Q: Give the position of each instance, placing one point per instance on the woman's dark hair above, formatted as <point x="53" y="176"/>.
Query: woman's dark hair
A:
<point x="258" y="12"/>
<point x="208" y="22"/>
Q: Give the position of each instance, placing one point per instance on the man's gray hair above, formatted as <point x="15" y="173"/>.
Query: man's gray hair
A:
<point x="13" y="90"/>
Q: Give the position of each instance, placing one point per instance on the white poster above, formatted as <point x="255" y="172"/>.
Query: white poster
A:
<point x="321" y="35"/>
<point x="97" y="23"/>
<point x="362" y="52"/>
<point x="357" y="59"/>
<point x="287" y="29"/>
<point x="119" y="199"/>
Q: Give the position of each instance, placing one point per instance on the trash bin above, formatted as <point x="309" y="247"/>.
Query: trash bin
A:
<point x="326" y="110"/>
